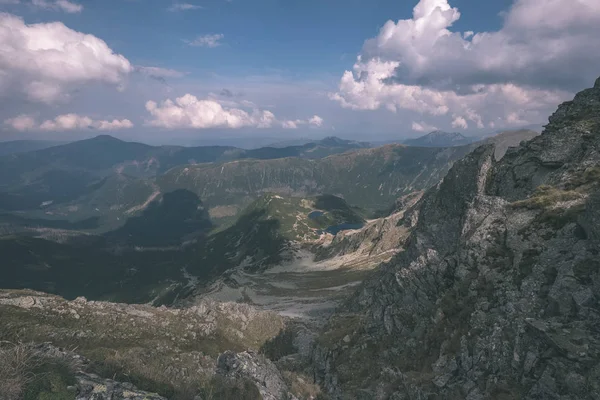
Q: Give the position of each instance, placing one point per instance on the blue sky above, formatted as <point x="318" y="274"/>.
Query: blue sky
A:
<point x="278" y="68"/>
<point x="301" y="39"/>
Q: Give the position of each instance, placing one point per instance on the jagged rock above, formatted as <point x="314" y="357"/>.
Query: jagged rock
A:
<point x="497" y="292"/>
<point x="256" y="368"/>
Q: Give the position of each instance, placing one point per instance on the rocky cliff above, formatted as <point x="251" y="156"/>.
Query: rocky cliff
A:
<point x="497" y="293"/>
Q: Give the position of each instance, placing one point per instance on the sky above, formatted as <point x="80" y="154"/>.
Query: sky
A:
<point x="169" y="71"/>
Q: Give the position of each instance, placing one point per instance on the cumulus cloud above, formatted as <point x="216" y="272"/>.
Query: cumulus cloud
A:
<point x="62" y="5"/>
<point x="423" y="127"/>
<point x="190" y="112"/>
<point x="184" y="7"/>
<point x="21" y="123"/>
<point x="460" y="122"/>
<point x="45" y="61"/>
<point x="66" y="122"/>
<point x="315" y="120"/>
<point x="545" y="50"/>
<point x="289" y="124"/>
<point x="211" y="40"/>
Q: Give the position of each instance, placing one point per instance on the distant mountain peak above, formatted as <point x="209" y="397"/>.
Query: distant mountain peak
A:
<point x="439" y="133"/>
<point x="336" y="141"/>
<point x="333" y="139"/>
<point x="105" y="138"/>
<point x="440" y="139"/>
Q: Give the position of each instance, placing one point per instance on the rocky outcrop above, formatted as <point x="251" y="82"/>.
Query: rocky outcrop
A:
<point x="173" y="349"/>
<point x="256" y="369"/>
<point x="497" y="293"/>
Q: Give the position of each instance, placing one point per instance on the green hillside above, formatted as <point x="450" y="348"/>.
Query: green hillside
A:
<point x="369" y="178"/>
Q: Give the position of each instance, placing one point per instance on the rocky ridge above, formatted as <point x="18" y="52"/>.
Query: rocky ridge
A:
<point x="497" y="292"/>
<point x="167" y="350"/>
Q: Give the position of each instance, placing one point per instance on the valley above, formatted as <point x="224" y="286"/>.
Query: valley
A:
<point x="292" y="241"/>
<point x="296" y="200"/>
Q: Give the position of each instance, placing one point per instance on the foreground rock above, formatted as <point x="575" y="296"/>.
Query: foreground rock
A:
<point x="497" y="293"/>
<point x="170" y="351"/>
<point x="258" y="370"/>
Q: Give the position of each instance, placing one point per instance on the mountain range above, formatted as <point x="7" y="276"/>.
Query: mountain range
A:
<point x="24" y="146"/>
<point x="440" y="139"/>
<point x="330" y="271"/>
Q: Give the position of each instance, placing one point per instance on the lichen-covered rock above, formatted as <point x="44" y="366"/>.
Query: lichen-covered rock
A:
<point x="497" y="294"/>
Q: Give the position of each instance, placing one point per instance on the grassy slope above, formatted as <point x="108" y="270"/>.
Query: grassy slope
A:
<point x="368" y="178"/>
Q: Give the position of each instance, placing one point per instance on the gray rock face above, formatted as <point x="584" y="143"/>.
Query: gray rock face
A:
<point x="258" y="370"/>
<point x="497" y="293"/>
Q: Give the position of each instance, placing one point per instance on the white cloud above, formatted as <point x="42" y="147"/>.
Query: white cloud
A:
<point x="545" y="50"/>
<point x="184" y="7"/>
<point x="62" y="5"/>
<point x="115" y="124"/>
<point x="211" y="40"/>
<point x="291" y="124"/>
<point x="315" y="120"/>
<point x="190" y="112"/>
<point x="423" y="127"/>
<point x="460" y="122"/>
<point x="45" y="61"/>
<point x="514" y="118"/>
<point x="66" y="122"/>
<point x="21" y="123"/>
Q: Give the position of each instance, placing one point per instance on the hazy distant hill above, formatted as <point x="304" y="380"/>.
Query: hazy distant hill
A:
<point x="368" y="178"/>
<point x="505" y="140"/>
<point x="62" y="173"/>
<point x="440" y="139"/>
<point x="23" y="146"/>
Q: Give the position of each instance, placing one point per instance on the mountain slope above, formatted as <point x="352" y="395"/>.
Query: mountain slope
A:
<point x="496" y="294"/>
<point x="63" y="173"/>
<point x="178" y="216"/>
<point x="24" y="146"/>
<point x="505" y="140"/>
<point x="368" y="178"/>
<point x="440" y="139"/>
<point x="167" y="350"/>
